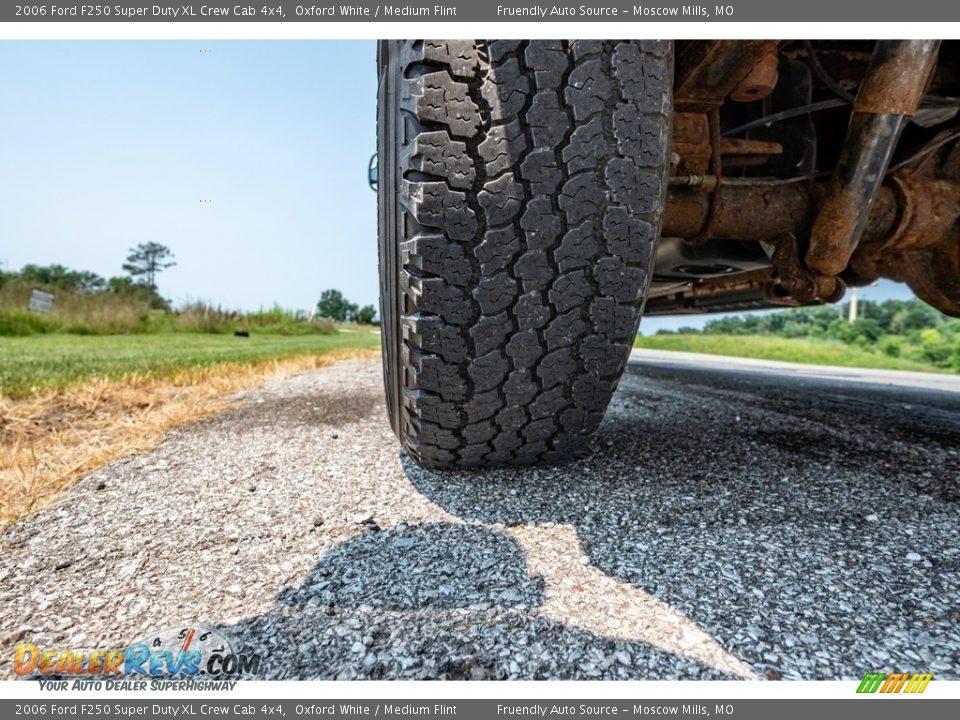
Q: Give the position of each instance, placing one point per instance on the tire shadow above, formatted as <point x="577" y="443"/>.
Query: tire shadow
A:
<point x="434" y="601"/>
<point x="814" y="565"/>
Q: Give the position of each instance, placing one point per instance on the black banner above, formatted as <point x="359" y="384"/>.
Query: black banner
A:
<point x="482" y="11"/>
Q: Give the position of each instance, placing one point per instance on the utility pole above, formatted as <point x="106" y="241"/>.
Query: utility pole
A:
<point x="852" y="315"/>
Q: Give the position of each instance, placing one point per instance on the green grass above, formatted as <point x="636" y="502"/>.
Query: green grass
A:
<point x="768" y="347"/>
<point x="32" y="364"/>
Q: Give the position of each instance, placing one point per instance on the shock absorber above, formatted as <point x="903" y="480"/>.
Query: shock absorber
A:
<point x="889" y="95"/>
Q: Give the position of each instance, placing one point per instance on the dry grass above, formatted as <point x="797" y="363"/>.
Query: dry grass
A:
<point x="48" y="442"/>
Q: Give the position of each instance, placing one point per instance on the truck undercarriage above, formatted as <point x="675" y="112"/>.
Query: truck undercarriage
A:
<point x="799" y="169"/>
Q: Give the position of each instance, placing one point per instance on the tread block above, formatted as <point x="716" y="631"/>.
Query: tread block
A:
<point x="570" y="290"/>
<point x="618" y="280"/>
<point x="556" y="367"/>
<point x="438" y="376"/>
<point x="612" y="319"/>
<point x="501" y="199"/>
<point x="589" y="89"/>
<point x="495" y="293"/>
<point x="427" y="454"/>
<point x="541" y="169"/>
<point x="519" y="389"/>
<point x="581" y="197"/>
<point x="549" y="403"/>
<point x="436" y="153"/>
<point x="431" y="334"/>
<point x="488" y="371"/>
<point x="585" y="48"/>
<point x="602" y="357"/>
<point x="497" y="249"/>
<point x="547" y="120"/>
<point x="530" y="453"/>
<point x="549" y="61"/>
<point x="491" y="332"/>
<point x="432" y="434"/>
<point x="504" y="445"/>
<point x="541" y="225"/>
<point x="436" y="97"/>
<point x="632" y="186"/>
<point x="566" y="329"/>
<point x="502" y="147"/>
<point x="435" y="205"/>
<point x="589" y="391"/>
<point x="587" y="148"/>
<point x="433" y="295"/>
<point x="628" y="237"/>
<point x="578" y="248"/>
<point x="638" y="136"/>
<point x="641" y="80"/>
<point x="483" y="405"/>
<point x="429" y="253"/>
<point x="539" y="430"/>
<point x="499" y="49"/>
<point x="511" y="419"/>
<point x="459" y="55"/>
<point x="479" y="432"/>
<point x="524" y="348"/>
<point x="474" y="455"/>
<point x="534" y="270"/>
<point x="434" y="409"/>
<point x="531" y="311"/>
<point x="505" y="89"/>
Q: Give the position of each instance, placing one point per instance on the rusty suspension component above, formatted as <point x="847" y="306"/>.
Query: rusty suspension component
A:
<point x="708" y="71"/>
<point x="889" y="94"/>
<point x="760" y="82"/>
<point x="706" y="74"/>
<point x="911" y="232"/>
<point x="923" y="250"/>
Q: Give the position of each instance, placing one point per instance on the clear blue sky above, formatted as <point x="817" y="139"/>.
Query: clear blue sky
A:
<point x="108" y="144"/>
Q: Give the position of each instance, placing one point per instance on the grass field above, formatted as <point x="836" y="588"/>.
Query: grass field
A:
<point x="72" y="403"/>
<point x="39" y="363"/>
<point x="768" y="347"/>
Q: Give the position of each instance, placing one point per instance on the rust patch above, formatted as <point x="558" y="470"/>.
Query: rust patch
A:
<point x="760" y="82"/>
<point x="897" y="77"/>
<point x="708" y="71"/>
<point x="923" y="248"/>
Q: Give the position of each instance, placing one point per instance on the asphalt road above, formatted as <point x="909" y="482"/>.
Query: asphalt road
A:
<point x="733" y="519"/>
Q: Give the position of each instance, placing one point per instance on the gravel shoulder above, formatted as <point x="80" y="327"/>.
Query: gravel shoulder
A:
<point x="728" y="522"/>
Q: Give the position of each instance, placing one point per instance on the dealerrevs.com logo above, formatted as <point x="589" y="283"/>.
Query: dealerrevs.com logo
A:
<point x="183" y="652"/>
<point x="887" y="683"/>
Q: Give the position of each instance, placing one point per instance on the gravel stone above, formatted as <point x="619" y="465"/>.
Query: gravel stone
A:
<point x="681" y="546"/>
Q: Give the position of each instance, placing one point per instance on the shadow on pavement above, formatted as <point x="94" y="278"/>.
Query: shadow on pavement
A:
<point x="791" y="531"/>
<point x="807" y="540"/>
<point x="435" y="601"/>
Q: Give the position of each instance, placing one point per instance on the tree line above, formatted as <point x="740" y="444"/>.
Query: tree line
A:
<point x="334" y="306"/>
<point x="898" y="328"/>
<point x="142" y="265"/>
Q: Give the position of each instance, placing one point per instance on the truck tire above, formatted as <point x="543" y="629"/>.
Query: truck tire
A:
<point x="521" y="185"/>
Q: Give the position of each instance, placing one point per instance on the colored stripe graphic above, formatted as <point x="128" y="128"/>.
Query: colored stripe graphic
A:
<point x="870" y="683"/>
<point x="894" y="682"/>
<point x="918" y="683"/>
